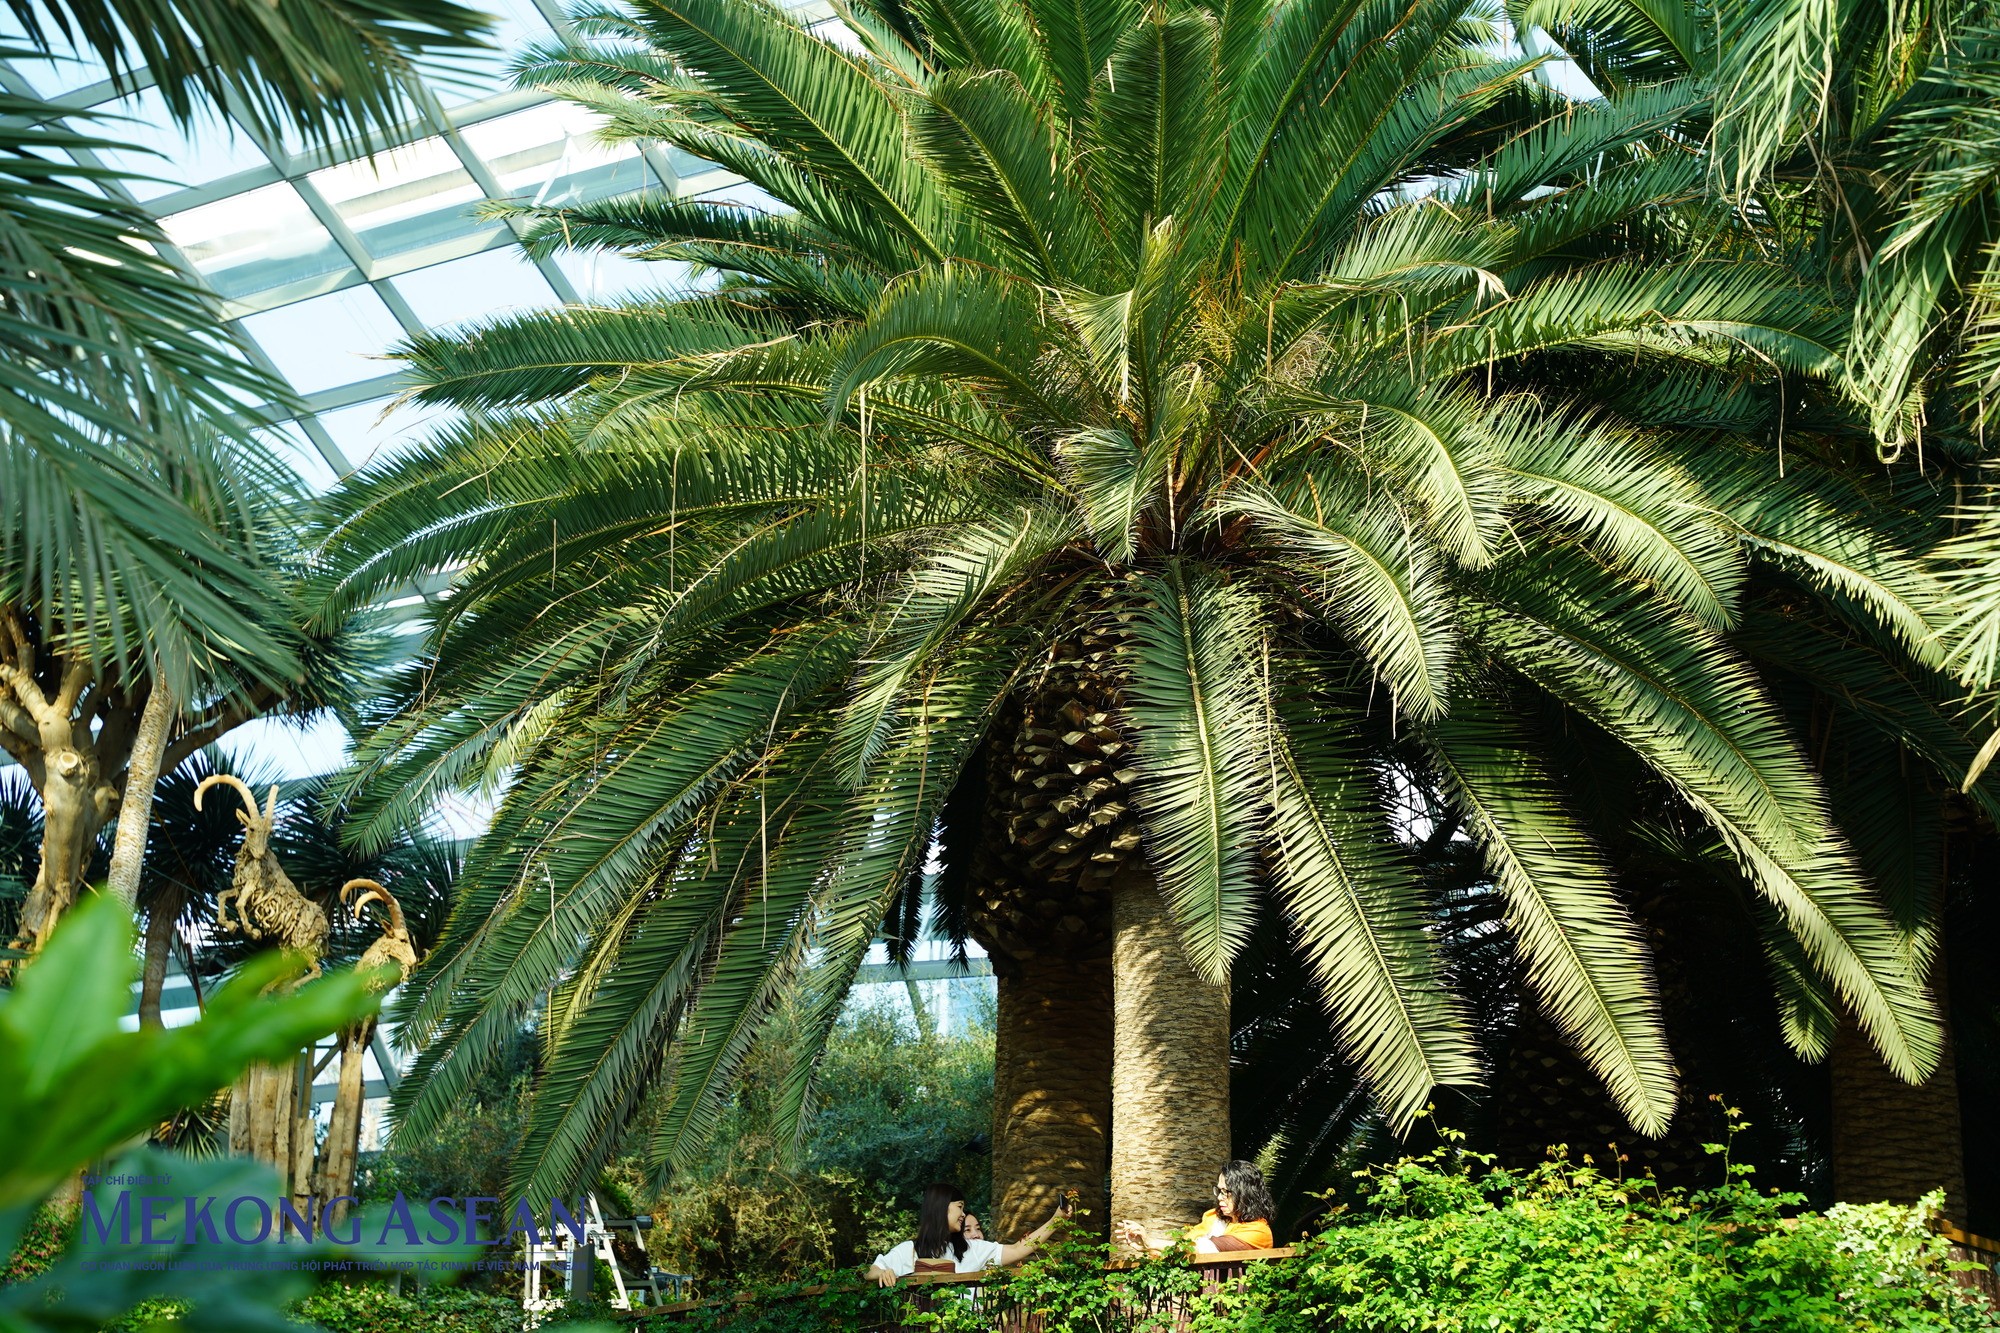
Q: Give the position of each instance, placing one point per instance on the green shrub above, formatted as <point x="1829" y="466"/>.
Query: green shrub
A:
<point x="1445" y="1244"/>
<point x="1567" y="1249"/>
<point x="375" y="1307"/>
<point x="896" y="1109"/>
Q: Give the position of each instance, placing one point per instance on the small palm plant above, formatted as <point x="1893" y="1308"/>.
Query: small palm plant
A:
<point x="1209" y="397"/>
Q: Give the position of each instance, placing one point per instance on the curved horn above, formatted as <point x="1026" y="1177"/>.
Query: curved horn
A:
<point x="372" y="892"/>
<point x="228" y="780"/>
<point x="271" y="805"/>
<point x="354" y="884"/>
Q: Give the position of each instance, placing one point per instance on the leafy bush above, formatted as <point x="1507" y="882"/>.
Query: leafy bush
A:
<point x="1568" y="1248"/>
<point x="896" y="1109"/>
<point x="1445" y="1244"/>
<point x="375" y="1307"/>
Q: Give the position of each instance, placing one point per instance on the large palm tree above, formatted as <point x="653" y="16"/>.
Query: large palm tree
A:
<point x="1863" y="137"/>
<point x="1219" y="380"/>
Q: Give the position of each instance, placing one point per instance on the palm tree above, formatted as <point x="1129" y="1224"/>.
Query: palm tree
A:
<point x="1223" y="373"/>
<point x="1871" y="158"/>
<point x="136" y="587"/>
<point x="1865" y="135"/>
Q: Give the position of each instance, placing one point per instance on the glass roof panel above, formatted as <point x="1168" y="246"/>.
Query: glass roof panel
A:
<point x="601" y="276"/>
<point x="290" y="442"/>
<point x="63" y="71"/>
<point x="548" y="154"/>
<point x="371" y="432"/>
<point x="208" y="150"/>
<point x="482" y="284"/>
<point x="482" y="76"/>
<point x="255" y="241"/>
<point x="406" y="199"/>
<point x="330" y="340"/>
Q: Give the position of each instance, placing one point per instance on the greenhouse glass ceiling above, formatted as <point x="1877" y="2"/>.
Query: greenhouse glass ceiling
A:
<point x="327" y="261"/>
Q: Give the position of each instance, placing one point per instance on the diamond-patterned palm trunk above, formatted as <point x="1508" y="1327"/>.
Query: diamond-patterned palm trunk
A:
<point x="1077" y="987"/>
<point x="1170" y="1063"/>
<point x="1894" y="1141"/>
<point x="1056" y="826"/>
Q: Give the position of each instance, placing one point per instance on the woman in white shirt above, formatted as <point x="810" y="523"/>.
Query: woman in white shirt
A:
<point x="942" y="1245"/>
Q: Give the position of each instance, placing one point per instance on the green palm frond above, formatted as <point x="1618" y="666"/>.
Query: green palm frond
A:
<point x="325" y="69"/>
<point x="1377" y="582"/>
<point x="1358" y="916"/>
<point x="943" y="593"/>
<point x="1586" y="957"/>
<point x="1199" y="711"/>
<point x="1633" y="503"/>
<point x="806" y="98"/>
<point x="1811" y="519"/>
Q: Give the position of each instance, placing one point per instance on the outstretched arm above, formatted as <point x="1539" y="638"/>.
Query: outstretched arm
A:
<point x="1028" y="1244"/>
<point x="881" y="1276"/>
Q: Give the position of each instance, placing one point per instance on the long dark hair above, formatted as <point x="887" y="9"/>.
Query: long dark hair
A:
<point x="1250" y="1200"/>
<point x="934" y="1230"/>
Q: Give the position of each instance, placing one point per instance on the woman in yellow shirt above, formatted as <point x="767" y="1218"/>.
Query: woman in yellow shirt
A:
<point x="1240" y="1220"/>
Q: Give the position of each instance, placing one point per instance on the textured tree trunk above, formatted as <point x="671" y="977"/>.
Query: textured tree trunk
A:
<point x="303" y="1142"/>
<point x="1170" y="1071"/>
<point x="1051" y="1089"/>
<point x="152" y="981"/>
<point x="1894" y="1141"/>
<point x="262" y="1120"/>
<point x="1050" y="812"/>
<point x="142" y="777"/>
<point x="343" y="1131"/>
<point x="71" y="818"/>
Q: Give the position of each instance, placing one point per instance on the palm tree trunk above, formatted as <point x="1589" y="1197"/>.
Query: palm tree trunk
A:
<point x="159" y="943"/>
<point x="1170" y="1070"/>
<point x="1051" y="1088"/>
<point x="298" y="1172"/>
<point x="1894" y="1141"/>
<point x="142" y="776"/>
<point x="343" y="1132"/>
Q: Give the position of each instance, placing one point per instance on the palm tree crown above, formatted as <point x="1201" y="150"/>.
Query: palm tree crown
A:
<point x="1266" y="342"/>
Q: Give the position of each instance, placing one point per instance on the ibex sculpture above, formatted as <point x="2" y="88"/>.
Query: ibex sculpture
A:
<point x="268" y="904"/>
<point x="394" y="947"/>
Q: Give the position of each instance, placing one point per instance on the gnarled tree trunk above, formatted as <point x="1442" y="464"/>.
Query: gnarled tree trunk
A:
<point x="342" y="1151"/>
<point x="1170" y="1068"/>
<point x="76" y="802"/>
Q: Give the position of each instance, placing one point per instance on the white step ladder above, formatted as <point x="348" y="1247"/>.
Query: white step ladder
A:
<point x="558" y="1255"/>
